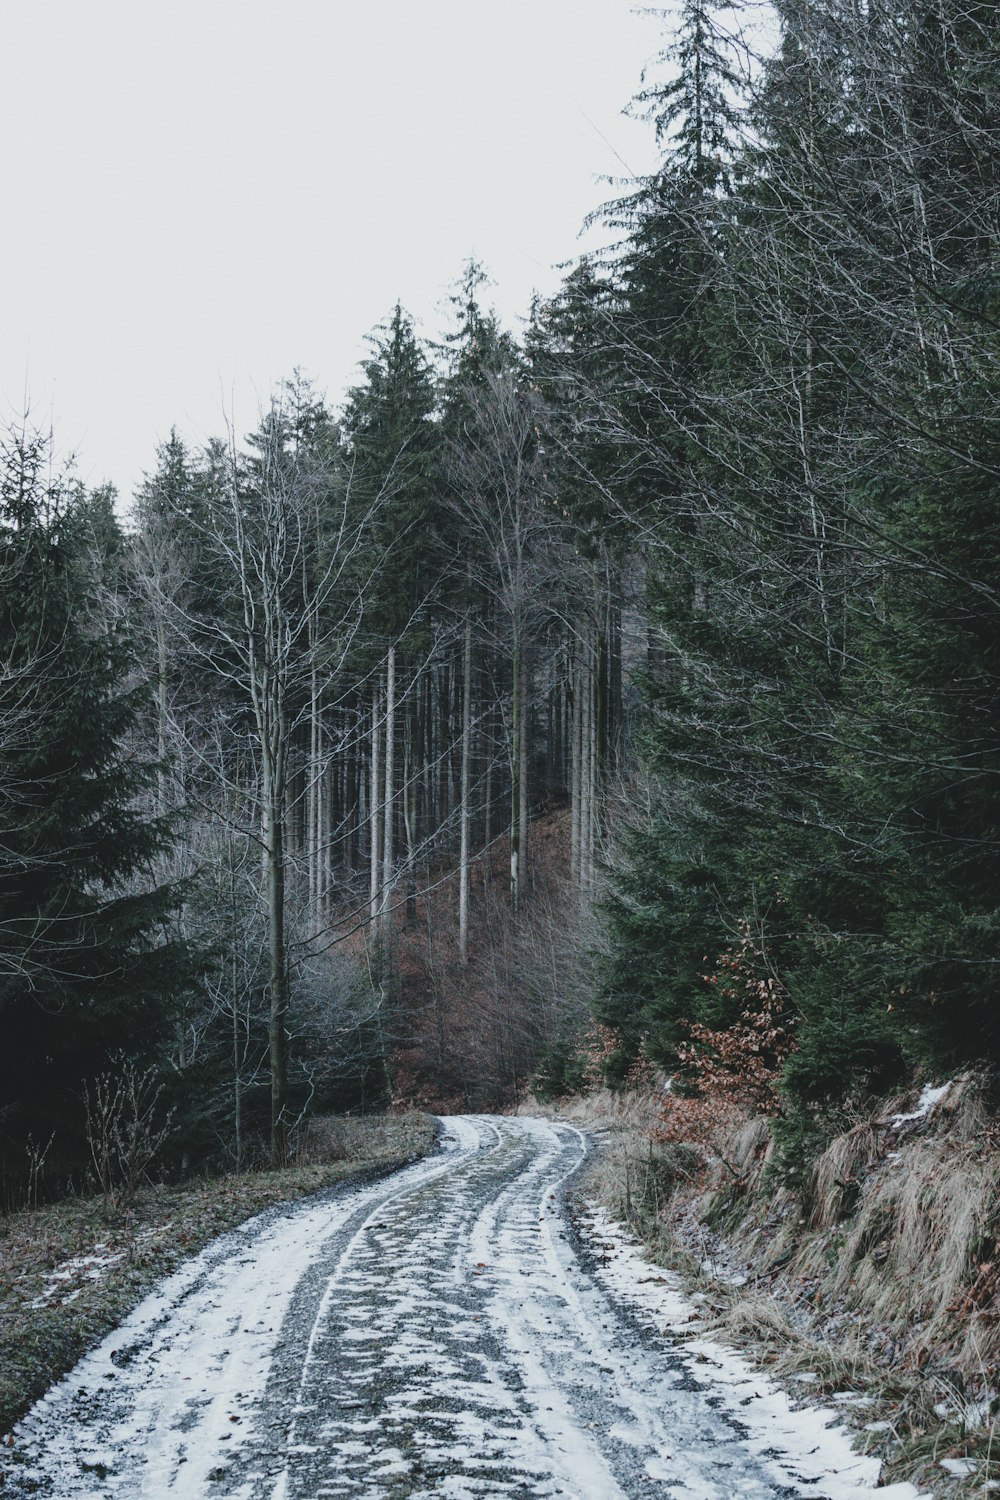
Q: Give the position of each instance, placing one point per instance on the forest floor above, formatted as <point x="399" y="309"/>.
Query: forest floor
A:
<point x="873" y="1288"/>
<point x="70" y="1271"/>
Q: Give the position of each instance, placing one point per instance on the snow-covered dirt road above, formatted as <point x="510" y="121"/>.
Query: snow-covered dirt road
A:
<point x="447" y="1331"/>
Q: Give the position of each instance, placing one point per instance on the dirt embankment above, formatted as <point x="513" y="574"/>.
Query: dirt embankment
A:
<point x="876" y="1285"/>
<point x="71" y="1271"/>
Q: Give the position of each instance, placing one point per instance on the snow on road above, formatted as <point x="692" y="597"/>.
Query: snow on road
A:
<point x="442" y="1332"/>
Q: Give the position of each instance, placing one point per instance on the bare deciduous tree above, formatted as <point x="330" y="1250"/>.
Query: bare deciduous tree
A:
<point x="286" y="547"/>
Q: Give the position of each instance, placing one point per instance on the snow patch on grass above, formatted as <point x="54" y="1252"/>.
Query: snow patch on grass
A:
<point x="928" y="1098"/>
<point x="78" y="1269"/>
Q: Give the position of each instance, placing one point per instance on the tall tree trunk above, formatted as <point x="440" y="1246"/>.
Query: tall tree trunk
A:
<point x="375" y="810"/>
<point x="362" y="825"/>
<point x="274" y="845"/>
<point x="449" y="736"/>
<point x="515" y="782"/>
<point x="594" y="758"/>
<point x="523" y="799"/>
<point x="388" y="843"/>
<point x="463" y="878"/>
<point x="586" y="753"/>
<point x="615" y="709"/>
<point x="351" y="809"/>
<point x="234" y="992"/>
<point x="489" y="750"/>
<point x="409" y="816"/>
<point x="437" y="800"/>
<point x="313" y="786"/>
<point x="601" y="697"/>
<point x="575" y="757"/>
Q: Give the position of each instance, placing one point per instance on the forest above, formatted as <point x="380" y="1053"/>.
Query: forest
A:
<point x="620" y="694"/>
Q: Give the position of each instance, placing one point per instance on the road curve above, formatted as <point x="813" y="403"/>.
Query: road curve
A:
<point x="437" y="1333"/>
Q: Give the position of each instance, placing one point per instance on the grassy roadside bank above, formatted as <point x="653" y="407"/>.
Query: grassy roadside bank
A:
<point x="872" y="1289"/>
<point x="71" y="1271"/>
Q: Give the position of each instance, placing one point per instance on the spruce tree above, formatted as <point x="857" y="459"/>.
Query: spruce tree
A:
<point x="392" y="447"/>
<point x="88" y="970"/>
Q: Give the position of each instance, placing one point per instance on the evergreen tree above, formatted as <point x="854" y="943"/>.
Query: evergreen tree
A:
<point x="87" y="971"/>
<point x="392" y="447"/>
<point x="820" y="718"/>
<point x="669" y="903"/>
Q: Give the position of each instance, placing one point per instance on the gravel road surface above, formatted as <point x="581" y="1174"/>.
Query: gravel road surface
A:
<point x="446" y="1331"/>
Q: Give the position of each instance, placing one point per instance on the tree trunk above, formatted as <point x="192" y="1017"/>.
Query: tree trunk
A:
<point x="488" y="786"/>
<point x="274" y="844"/>
<point x="586" y="774"/>
<point x="375" y="810"/>
<point x="388" y="846"/>
<point x="409" y="817"/>
<point x="523" y="804"/>
<point x="312" y="785"/>
<point x="515" y="784"/>
<point x="575" y="779"/>
<point x="463" y="879"/>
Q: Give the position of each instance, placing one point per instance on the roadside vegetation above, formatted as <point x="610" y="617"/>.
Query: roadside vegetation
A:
<point x="872" y="1287"/>
<point x="70" y="1271"/>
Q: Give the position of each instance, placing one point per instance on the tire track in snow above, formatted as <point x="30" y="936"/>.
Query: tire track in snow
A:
<point x="171" y="1400"/>
<point x="434" y="1334"/>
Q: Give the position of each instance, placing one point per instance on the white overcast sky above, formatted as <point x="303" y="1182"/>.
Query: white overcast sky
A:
<point x="203" y="194"/>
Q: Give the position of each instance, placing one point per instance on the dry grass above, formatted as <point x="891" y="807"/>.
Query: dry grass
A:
<point x="332" y="1139"/>
<point x="757" y="1320"/>
<point x="897" y="1229"/>
<point x="614" y="1110"/>
<point x="633" y="1174"/>
<point x="750" y="1150"/>
<point x="914" y="1249"/>
<point x="47" y="1325"/>
<point x="879" y="1285"/>
<point x="833" y="1182"/>
<point x="903" y="1230"/>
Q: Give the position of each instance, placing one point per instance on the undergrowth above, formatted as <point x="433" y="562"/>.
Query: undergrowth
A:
<point x="871" y="1283"/>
